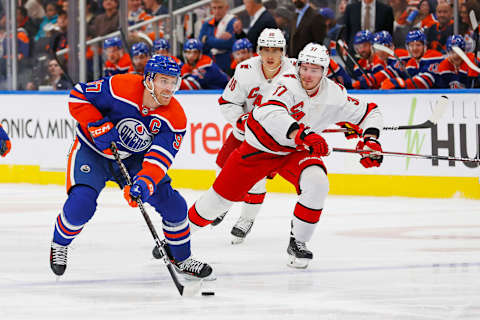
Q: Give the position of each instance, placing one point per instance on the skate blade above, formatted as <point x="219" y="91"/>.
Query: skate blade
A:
<point x="190" y="278"/>
<point x="237" y="240"/>
<point x="297" y="263"/>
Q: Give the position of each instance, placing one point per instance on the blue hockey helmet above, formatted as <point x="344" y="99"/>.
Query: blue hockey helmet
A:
<point x="140" y="48"/>
<point x="161" y="44"/>
<point x="160" y="65"/>
<point x="112" y="42"/>
<point x="192" y="44"/>
<point x="416" y="35"/>
<point x="455" y="41"/>
<point x="362" y="37"/>
<point x="241" y="44"/>
<point x="327" y="13"/>
<point x="383" y="38"/>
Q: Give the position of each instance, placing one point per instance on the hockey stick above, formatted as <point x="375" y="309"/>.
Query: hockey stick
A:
<point x="160" y="243"/>
<point x="464" y="57"/>
<point x="391" y="52"/>
<point x="344" y="45"/>
<point x="474" y="23"/>
<point x="402" y="154"/>
<point x="438" y="112"/>
<point x="339" y="51"/>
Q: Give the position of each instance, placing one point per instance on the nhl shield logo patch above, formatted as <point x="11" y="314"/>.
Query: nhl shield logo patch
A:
<point x="85" y="168"/>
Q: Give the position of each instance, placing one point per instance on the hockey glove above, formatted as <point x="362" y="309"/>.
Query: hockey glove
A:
<point x="142" y="188"/>
<point x="353" y="131"/>
<point x="365" y="82"/>
<point x="370" y="160"/>
<point x="103" y="133"/>
<point x="240" y="126"/>
<point x="306" y="138"/>
<point x="5" y="144"/>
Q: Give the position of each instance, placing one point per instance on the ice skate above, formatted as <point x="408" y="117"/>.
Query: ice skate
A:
<point x="58" y="258"/>
<point x="298" y="254"/>
<point x="240" y="230"/>
<point x="193" y="269"/>
<point x="218" y="220"/>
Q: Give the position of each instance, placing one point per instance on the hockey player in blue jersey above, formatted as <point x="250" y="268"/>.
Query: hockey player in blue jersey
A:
<point x="199" y="70"/>
<point x="139" y="114"/>
<point x="5" y="144"/>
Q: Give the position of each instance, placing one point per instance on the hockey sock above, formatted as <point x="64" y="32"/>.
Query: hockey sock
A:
<point x="304" y="222"/>
<point x="77" y="210"/>
<point x="252" y="204"/>
<point x="177" y="235"/>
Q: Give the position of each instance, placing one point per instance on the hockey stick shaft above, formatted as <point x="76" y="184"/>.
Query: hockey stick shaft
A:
<point x="339" y="51"/>
<point x="402" y="154"/>
<point x="160" y="244"/>
<point x="344" y="45"/>
<point x="474" y="23"/>
<point x="393" y="54"/>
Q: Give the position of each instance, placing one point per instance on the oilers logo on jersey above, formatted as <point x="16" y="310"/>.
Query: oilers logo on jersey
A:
<point x="134" y="136"/>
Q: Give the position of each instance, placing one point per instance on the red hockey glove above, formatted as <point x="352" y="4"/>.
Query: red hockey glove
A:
<point x="142" y="188"/>
<point x="103" y="133"/>
<point x="370" y="160"/>
<point x="305" y="137"/>
<point x="5" y="144"/>
<point x="353" y="131"/>
<point x="240" y="124"/>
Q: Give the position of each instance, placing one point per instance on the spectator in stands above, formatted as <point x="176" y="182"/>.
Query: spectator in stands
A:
<point x="58" y="35"/>
<point x="140" y="55"/>
<point x="118" y="61"/>
<point x="107" y="22"/>
<point x="54" y="79"/>
<point x="49" y="19"/>
<point x="199" y="70"/>
<point x="217" y="35"/>
<point x="260" y="19"/>
<point x="24" y="22"/>
<point x="283" y="18"/>
<point x="35" y="10"/>
<point x="308" y="26"/>
<point x="136" y="12"/>
<point x="332" y="27"/>
<point x="369" y="15"/>
<point x="342" y="6"/>
<point x="155" y="7"/>
<point x="438" y="33"/>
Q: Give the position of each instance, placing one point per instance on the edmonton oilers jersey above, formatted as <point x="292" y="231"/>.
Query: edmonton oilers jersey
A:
<point x="157" y="133"/>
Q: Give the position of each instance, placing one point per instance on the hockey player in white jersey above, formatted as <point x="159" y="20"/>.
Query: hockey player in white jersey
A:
<point x="253" y="77"/>
<point x="282" y="137"/>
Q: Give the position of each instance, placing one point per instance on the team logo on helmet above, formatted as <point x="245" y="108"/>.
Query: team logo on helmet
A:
<point x="134" y="135"/>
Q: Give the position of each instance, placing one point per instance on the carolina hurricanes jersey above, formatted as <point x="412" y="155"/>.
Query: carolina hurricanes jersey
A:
<point x="267" y="126"/>
<point x="157" y="134"/>
<point x="449" y="76"/>
<point x="423" y="71"/>
<point x="246" y="88"/>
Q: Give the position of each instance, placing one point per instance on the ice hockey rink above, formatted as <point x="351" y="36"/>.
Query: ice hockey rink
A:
<point x="374" y="258"/>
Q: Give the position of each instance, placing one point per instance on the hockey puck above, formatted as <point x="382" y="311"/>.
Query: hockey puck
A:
<point x="208" y="293"/>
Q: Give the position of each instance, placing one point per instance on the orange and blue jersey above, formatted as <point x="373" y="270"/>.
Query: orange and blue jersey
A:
<point x="394" y="68"/>
<point x="449" y="76"/>
<point x="370" y="67"/>
<point x="124" y="65"/>
<point x="205" y="74"/>
<point x="155" y="134"/>
<point x="423" y="71"/>
<point x="337" y="73"/>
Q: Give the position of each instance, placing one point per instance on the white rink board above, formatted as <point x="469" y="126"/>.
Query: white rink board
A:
<point x="30" y="121"/>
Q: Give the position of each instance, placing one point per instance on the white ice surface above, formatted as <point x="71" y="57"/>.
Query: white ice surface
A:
<point x="374" y="258"/>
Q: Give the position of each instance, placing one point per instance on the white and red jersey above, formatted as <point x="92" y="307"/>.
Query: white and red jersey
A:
<point x="267" y="126"/>
<point x="246" y="88"/>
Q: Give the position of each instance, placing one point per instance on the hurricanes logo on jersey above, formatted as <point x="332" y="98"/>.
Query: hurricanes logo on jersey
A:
<point x="134" y="136"/>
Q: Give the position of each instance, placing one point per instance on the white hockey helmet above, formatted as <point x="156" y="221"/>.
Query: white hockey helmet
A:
<point x="315" y="54"/>
<point x="272" y="38"/>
